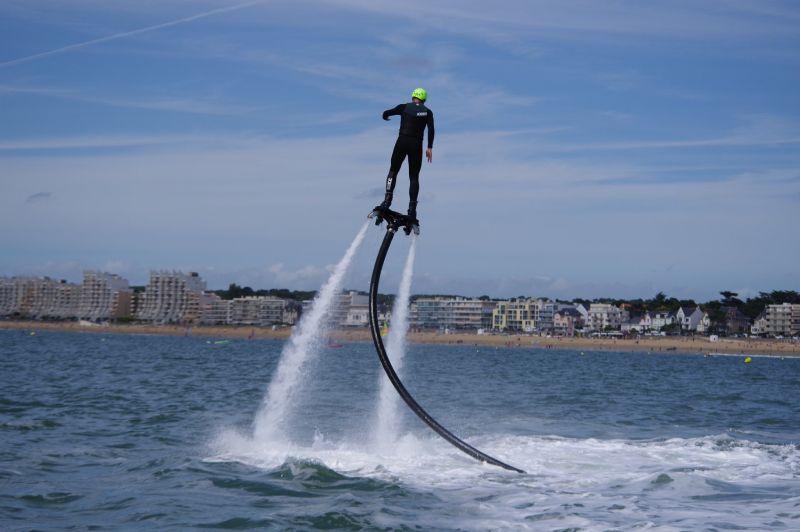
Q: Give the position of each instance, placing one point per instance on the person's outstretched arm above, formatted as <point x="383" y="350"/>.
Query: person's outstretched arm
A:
<point x="431" y="133"/>
<point x="393" y="112"/>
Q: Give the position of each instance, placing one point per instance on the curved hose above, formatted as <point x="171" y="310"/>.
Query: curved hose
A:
<point x="390" y="372"/>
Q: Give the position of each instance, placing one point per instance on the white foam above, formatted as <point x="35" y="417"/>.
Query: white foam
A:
<point x="387" y="415"/>
<point x="272" y="420"/>
<point x="588" y="483"/>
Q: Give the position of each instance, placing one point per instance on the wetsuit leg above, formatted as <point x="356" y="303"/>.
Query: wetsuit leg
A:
<point x="414" y="166"/>
<point x="398" y="154"/>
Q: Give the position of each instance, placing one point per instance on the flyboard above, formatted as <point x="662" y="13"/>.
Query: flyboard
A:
<point x="394" y="221"/>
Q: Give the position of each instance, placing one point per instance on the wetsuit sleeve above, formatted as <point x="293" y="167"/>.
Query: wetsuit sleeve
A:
<point x="393" y="112"/>
<point x="431" y="130"/>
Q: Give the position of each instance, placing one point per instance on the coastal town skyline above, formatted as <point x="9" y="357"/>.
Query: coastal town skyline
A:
<point x="174" y="297"/>
<point x="359" y="283"/>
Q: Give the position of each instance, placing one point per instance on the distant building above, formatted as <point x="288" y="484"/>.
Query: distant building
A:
<point x="517" y="314"/>
<point x="705" y="323"/>
<point x="689" y="319"/>
<point x="356" y="317"/>
<point x="633" y="323"/>
<point x="783" y="319"/>
<point x="65" y="302"/>
<point x="734" y="321"/>
<point x="451" y="313"/>
<point x="760" y="325"/>
<point x="171" y="297"/>
<point x="547" y="312"/>
<point x="257" y="310"/>
<point x="214" y="310"/>
<point x="661" y="319"/>
<point x="566" y="320"/>
<point x="351" y="310"/>
<point x="27" y="296"/>
<point x="38" y="297"/>
<point x="10" y="296"/>
<point x="104" y="296"/>
<point x="604" y="315"/>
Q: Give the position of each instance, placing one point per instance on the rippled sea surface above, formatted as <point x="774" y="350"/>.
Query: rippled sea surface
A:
<point x="114" y="431"/>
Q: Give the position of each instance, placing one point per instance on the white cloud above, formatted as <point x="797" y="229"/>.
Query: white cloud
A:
<point x="305" y="276"/>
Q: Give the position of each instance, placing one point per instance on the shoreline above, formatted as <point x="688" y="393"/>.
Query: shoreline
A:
<point x="649" y="344"/>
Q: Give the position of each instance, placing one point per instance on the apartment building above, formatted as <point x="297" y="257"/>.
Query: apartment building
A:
<point x="547" y="312"/>
<point x="257" y="310"/>
<point x="517" y="314"/>
<point x="783" y="319"/>
<point x="351" y="309"/>
<point x="9" y="296"/>
<point x="104" y="296"/>
<point x="38" y="297"/>
<point x="605" y="315"/>
<point x="171" y="297"/>
<point x="214" y="310"/>
<point x="445" y="312"/>
<point x="65" y="302"/>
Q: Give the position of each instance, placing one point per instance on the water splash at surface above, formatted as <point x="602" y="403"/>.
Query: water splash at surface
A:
<point x="271" y="420"/>
<point x="387" y="416"/>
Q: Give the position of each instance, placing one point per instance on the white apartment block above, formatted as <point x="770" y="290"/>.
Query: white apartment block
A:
<point x="35" y="297"/>
<point x="257" y="310"/>
<point x="783" y="319"/>
<point x="451" y="313"/>
<point x="9" y="296"/>
<point x="214" y="310"/>
<point x="351" y="309"/>
<point x="104" y="296"/>
<point x="171" y="297"/>
<point x="65" y="302"/>
<point x="603" y="315"/>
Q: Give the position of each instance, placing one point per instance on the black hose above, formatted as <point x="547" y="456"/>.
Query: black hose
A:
<point x="390" y="372"/>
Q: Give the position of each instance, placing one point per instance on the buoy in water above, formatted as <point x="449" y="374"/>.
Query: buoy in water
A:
<point x="747" y="360"/>
<point x="33" y="333"/>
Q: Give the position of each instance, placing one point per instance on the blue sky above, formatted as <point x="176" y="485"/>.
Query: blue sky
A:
<point x="583" y="148"/>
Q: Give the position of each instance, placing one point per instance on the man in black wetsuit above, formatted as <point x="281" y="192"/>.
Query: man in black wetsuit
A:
<point x="414" y="117"/>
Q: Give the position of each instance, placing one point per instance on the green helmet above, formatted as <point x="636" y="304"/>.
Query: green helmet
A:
<point x="420" y="94"/>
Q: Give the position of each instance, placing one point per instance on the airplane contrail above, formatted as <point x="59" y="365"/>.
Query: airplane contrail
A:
<point x="129" y="33"/>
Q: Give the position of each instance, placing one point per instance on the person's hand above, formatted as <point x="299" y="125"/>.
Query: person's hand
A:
<point x="385" y="117"/>
<point x="429" y="154"/>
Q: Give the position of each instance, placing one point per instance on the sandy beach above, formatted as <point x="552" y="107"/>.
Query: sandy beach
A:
<point x="699" y="345"/>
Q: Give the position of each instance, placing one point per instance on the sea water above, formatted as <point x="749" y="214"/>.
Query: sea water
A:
<point x="125" y="432"/>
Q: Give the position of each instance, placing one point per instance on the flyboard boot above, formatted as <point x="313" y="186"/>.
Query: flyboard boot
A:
<point x="387" y="199"/>
<point x="413" y="223"/>
<point x="384" y="207"/>
<point x="412" y="210"/>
